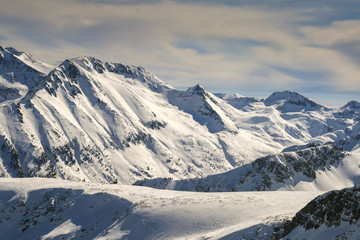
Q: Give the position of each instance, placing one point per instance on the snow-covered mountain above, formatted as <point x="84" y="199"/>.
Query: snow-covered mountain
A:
<point x="92" y="121"/>
<point x="88" y="120"/>
<point x="98" y="122"/>
<point x="288" y="101"/>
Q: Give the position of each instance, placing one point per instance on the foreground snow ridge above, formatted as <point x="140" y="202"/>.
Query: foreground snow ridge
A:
<point x="75" y="137"/>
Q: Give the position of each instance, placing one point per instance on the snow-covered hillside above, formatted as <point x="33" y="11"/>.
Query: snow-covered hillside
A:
<point x="324" y="168"/>
<point x="39" y="208"/>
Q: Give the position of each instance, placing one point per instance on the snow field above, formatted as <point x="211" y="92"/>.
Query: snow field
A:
<point x="46" y="208"/>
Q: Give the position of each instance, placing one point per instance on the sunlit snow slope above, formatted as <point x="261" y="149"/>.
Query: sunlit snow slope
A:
<point x="94" y="121"/>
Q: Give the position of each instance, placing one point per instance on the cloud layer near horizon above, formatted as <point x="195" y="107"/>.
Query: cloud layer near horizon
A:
<point x="232" y="46"/>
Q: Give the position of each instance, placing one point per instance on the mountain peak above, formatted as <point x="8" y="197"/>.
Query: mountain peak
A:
<point x="291" y="101"/>
<point x="352" y="105"/>
<point x="19" y="67"/>
<point x="90" y="63"/>
<point x="73" y="68"/>
<point x="23" y="56"/>
<point x="69" y="69"/>
<point x="284" y="95"/>
<point x="20" y="59"/>
<point x="229" y="96"/>
<point x="197" y="88"/>
<point x="14" y="51"/>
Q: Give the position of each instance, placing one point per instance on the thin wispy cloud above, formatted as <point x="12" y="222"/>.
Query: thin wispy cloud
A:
<point x="227" y="45"/>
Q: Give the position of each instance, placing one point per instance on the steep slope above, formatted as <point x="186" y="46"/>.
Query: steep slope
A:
<point x="334" y="215"/>
<point x="30" y="60"/>
<point x="201" y="104"/>
<point x="100" y="122"/>
<point x="239" y="145"/>
<point x="17" y="74"/>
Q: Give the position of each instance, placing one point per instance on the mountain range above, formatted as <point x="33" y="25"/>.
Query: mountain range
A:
<point x="98" y="122"/>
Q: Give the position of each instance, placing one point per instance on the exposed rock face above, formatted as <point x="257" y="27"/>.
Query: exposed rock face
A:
<point x="329" y="210"/>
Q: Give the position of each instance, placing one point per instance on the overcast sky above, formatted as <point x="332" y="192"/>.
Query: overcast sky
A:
<point x="251" y="47"/>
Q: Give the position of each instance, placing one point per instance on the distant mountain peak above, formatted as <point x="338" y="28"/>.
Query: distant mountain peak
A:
<point x="21" y="55"/>
<point x="283" y="95"/>
<point x="237" y="100"/>
<point x="291" y="101"/>
<point x="17" y="67"/>
<point x="233" y="95"/>
<point x="197" y="88"/>
<point x="352" y="105"/>
<point x="19" y="59"/>
<point x="229" y="96"/>
<point x="14" y="51"/>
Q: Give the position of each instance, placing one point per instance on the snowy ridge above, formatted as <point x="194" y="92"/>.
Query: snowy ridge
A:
<point x="202" y="105"/>
<point x="134" y="72"/>
<point x="298" y="170"/>
<point x="30" y="60"/>
<point x="238" y="101"/>
<point x="17" y="72"/>
<point x="228" y="96"/>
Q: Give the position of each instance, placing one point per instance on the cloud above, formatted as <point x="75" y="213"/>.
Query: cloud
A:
<point x="237" y="44"/>
<point x="339" y="32"/>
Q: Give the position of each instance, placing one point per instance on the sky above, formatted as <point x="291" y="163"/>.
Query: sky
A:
<point x="253" y="47"/>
